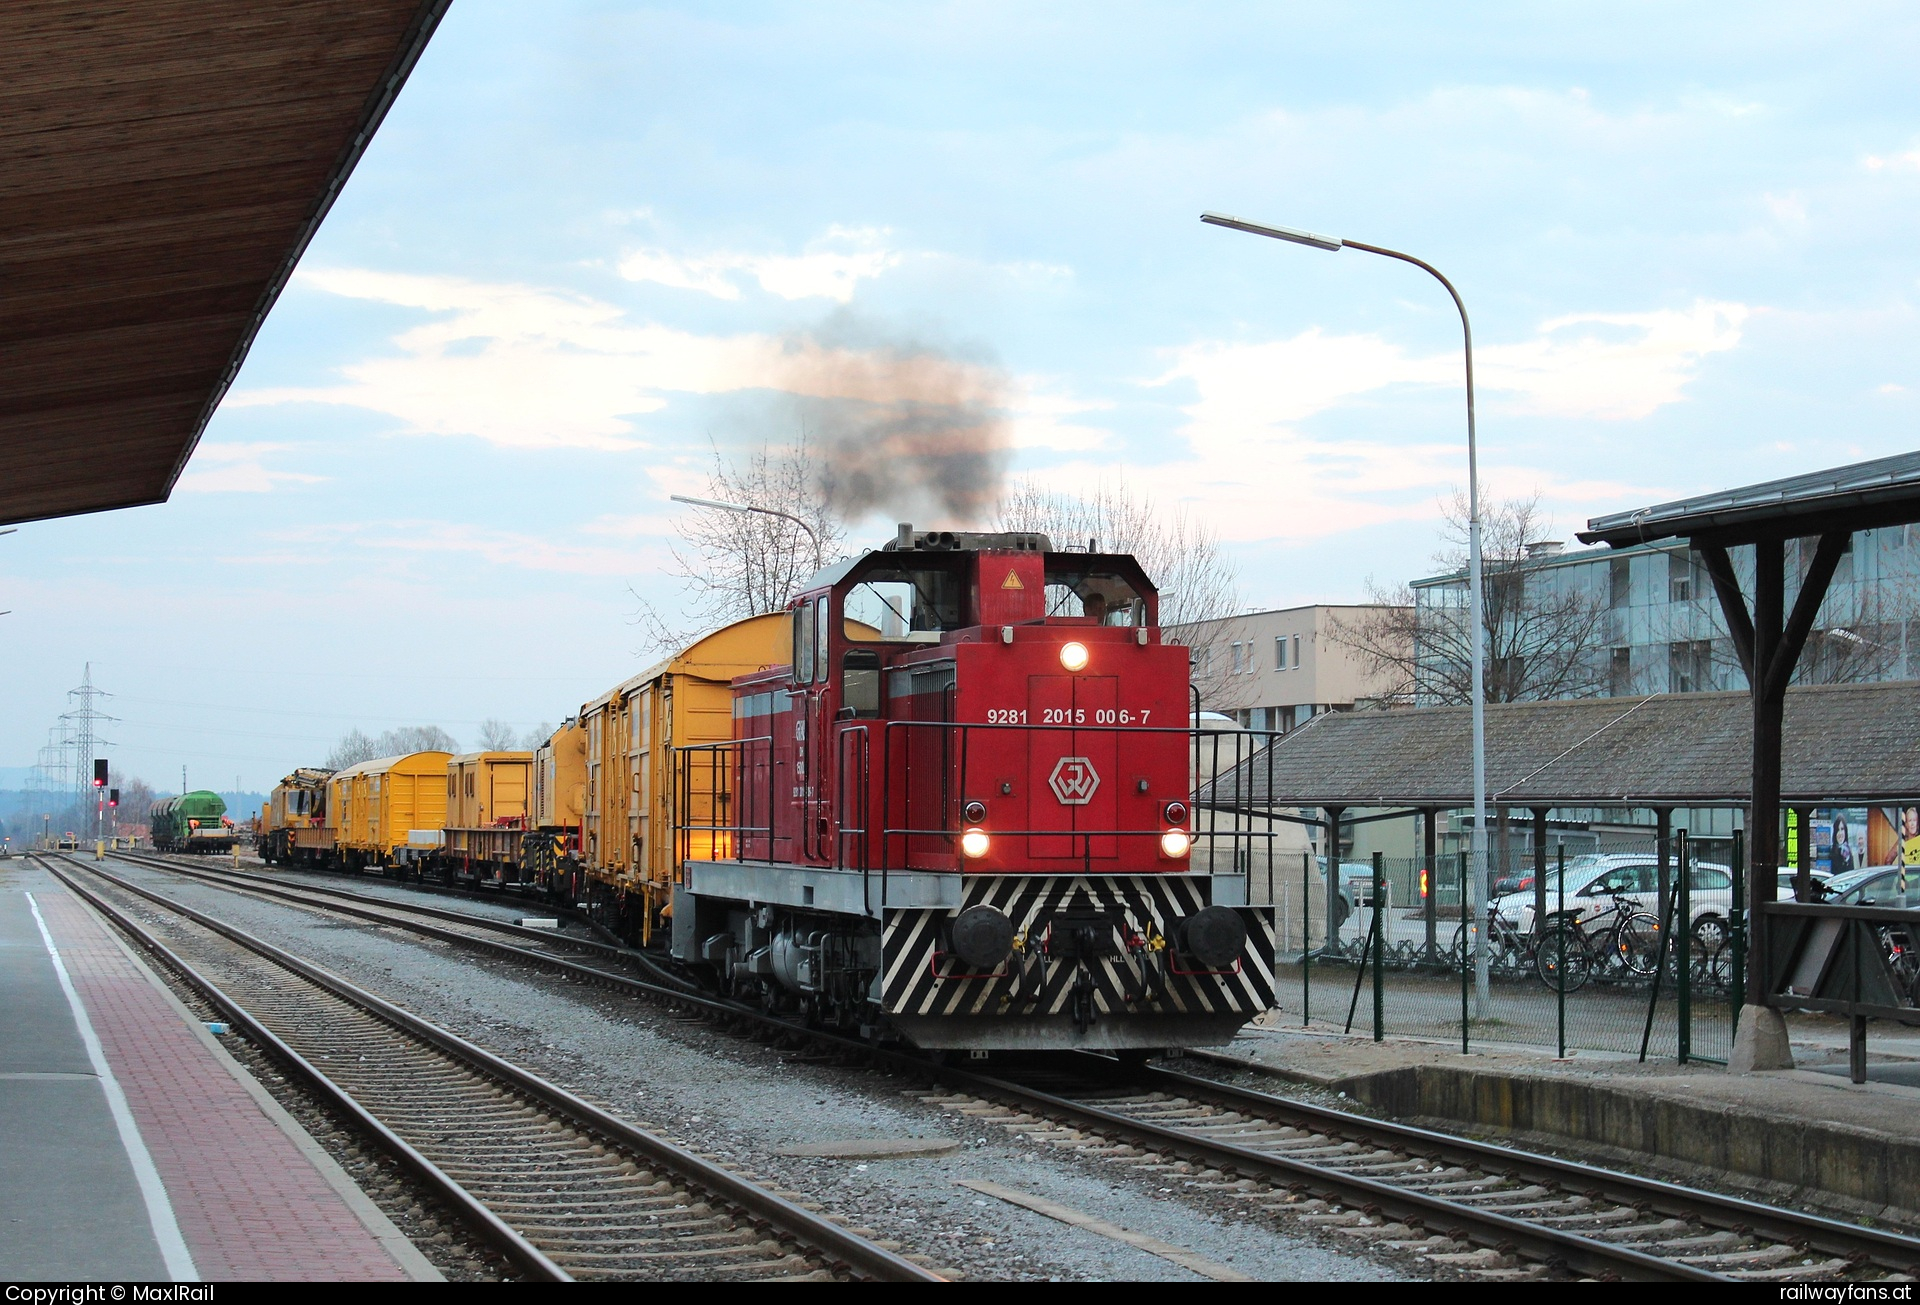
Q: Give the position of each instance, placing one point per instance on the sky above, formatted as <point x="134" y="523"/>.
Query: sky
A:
<point x="594" y="243"/>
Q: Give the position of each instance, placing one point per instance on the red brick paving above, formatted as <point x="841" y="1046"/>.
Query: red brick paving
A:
<point x="251" y="1207"/>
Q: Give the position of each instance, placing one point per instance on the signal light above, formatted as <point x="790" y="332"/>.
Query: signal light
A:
<point x="1176" y="813"/>
<point x="1175" y="844"/>
<point x="1423" y="883"/>
<point x="99" y="772"/>
<point x="974" y="843"/>
<point x="1073" y="656"/>
<point x="113" y="797"/>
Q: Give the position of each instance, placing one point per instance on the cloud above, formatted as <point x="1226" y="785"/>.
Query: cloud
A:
<point x="833" y="266"/>
<point x="1252" y="398"/>
<point x="1611" y="366"/>
<point x="524" y="367"/>
<point x="529" y="368"/>
<point x="509" y="549"/>
<point x="238" y="469"/>
<point x="1907" y="160"/>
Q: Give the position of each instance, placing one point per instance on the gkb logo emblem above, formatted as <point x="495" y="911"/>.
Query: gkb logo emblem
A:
<point x="1073" y="781"/>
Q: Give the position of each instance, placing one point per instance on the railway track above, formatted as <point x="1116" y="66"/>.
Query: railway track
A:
<point x="1485" y="1210"/>
<point x="562" y="1188"/>
<point x="1472" y="1207"/>
<point x="589" y="959"/>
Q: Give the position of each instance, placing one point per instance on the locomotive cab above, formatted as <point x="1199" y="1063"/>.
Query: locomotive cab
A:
<point x="963" y="811"/>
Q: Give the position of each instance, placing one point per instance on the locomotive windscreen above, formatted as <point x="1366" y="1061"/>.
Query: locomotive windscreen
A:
<point x="900" y="601"/>
<point x="1102" y="593"/>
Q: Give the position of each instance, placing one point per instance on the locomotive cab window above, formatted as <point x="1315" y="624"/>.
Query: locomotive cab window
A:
<point x="1106" y="596"/>
<point x="860" y="683"/>
<point x="803" y="643"/>
<point x="902" y="604"/>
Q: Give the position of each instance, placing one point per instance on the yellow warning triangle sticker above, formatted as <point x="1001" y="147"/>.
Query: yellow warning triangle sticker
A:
<point x="1012" y="581"/>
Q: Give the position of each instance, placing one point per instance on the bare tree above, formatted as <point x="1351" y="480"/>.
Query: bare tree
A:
<point x="537" y="736"/>
<point x="416" y="738"/>
<point x="497" y="736"/>
<point x="1546" y="631"/>
<point x="1199" y="589"/>
<point x="739" y="564"/>
<point x="355" y="747"/>
<point x="352" y="749"/>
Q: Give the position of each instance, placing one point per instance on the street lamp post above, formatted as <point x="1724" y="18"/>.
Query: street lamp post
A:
<point x="763" y="511"/>
<point x="1476" y="616"/>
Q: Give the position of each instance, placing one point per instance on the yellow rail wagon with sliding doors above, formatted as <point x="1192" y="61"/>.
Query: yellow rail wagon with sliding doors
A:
<point x="631" y="733"/>
<point x="488" y="796"/>
<point x="389" y="810"/>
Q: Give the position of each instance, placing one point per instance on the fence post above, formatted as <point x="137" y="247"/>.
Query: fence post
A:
<point x="1665" y="928"/>
<point x="1381" y="922"/>
<point x="1683" y="947"/>
<point x="1560" y="936"/>
<point x="1737" y="927"/>
<point x="1306" y="937"/>
<point x="1467" y="933"/>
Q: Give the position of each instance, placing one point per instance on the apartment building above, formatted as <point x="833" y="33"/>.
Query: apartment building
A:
<point x="1274" y="670"/>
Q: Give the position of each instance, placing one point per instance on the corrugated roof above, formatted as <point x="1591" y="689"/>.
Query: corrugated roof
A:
<point x="165" y="164"/>
<point x="1843" y="744"/>
<point x="1885" y="491"/>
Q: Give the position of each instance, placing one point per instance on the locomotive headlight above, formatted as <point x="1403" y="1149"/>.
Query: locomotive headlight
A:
<point x="1175" y="844"/>
<point x="1073" y="656"/>
<point x="974" y="843"/>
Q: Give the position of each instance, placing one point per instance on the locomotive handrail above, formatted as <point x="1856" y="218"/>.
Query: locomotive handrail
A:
<point x="732" y="822"/>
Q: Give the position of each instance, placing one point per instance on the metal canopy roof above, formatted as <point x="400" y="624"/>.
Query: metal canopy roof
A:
<point x="1883" y="492"/>
<point x="165" y="164"/>
<point x="1845" y="744"/>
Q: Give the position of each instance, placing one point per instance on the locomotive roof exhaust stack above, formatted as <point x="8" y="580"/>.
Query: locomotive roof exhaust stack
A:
<point x="909" y="540"/>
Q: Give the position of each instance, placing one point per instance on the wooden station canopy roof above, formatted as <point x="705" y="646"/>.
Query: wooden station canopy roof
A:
<point x="1846" y="745"/>
<point x="163" y="165"/>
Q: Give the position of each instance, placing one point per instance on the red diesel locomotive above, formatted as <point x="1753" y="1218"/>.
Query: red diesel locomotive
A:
<point x="964" y="812"/>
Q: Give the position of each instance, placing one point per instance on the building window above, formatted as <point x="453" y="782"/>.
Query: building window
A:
<point x="1680" y="577"/>
<point x="1234" y="668"/>
<point x="1280" y="653"/>
<point x="1620" y="672"/>
<point x="1690" y="666"/>
<point x="1619" y="581"/>
<point x="1296" y="652"/>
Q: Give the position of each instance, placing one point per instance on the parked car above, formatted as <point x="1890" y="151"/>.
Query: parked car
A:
<point x="1784" y="888"/>
<point x="1355" y="890"/>
<point x="1593" y="881"/>
<point x="1874" y="885"/>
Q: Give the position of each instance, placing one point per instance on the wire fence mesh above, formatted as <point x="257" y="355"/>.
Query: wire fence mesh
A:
<point x="1596" y="958"/>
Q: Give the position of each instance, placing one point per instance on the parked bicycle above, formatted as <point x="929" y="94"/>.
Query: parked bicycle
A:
<point x="1507" y="947"/>
<point x="1573" y="950"/>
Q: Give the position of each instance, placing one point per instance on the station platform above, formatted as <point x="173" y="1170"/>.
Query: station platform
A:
<point x="134" y="1147"/>
<point x="1807" y="1135"/>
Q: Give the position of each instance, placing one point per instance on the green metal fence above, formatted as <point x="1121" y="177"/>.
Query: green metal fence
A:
<point x="1391" y="954"/>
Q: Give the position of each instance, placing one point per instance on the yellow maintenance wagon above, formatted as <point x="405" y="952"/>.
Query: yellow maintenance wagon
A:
<point x="389" y="811"/>
<point x="627" y="845"/>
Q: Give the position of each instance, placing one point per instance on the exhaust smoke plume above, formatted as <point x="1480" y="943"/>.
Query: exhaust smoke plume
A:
<point x="904" y="430"/>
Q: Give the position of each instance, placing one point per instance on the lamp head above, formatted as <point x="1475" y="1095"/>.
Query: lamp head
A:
<point x="1298" y="237"/>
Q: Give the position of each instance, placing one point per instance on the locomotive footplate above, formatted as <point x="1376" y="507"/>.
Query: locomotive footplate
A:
<point x="1097" y="961"/>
